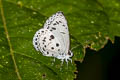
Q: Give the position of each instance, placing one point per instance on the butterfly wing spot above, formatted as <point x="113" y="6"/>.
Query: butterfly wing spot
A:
<point x="60" y="22"/>
<point x="63" y="25"/>
<point x="54" y="24"/>
<point x="44" y="37"/>
<point x="52" y="48"/>
<point x="43" y="40"/>
<point x="62" y="32"/>
<point x="57" y="22"/>
<point x="42" y="31"/>
<point x="52" y="54"/>
<point x="58" y="49"/>
<point x="57" y="44"/>
<point x="35" y="43"/>
<point x="47" y="52"/>
<point x="53" y="28"/>
<point x="43" y="49"/>
<point x="45" y="46"/>
<point x="35" y="39"/>
<point x="51" y="37"/>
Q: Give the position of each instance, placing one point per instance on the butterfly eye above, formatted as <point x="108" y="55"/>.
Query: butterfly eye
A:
<point x="69" y="53"/>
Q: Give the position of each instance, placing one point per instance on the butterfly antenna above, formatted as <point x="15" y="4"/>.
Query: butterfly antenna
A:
<point x="74" y="47"/>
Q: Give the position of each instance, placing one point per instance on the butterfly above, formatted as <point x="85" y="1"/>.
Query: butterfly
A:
<point x="53" y="39"/>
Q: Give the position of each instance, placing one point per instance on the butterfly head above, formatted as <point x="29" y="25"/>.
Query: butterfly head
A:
<point x="70" y="54"/>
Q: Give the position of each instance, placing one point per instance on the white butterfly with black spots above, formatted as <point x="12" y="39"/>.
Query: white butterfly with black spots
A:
<point x="53" y="39"/>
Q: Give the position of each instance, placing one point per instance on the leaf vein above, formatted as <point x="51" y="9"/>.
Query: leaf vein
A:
<point x="8" y="39"/>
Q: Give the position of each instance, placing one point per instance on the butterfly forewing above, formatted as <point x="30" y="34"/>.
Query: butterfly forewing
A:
<point x="57" y="24"/>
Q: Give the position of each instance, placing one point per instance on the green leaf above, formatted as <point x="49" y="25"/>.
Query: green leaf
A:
<point x="91" y="23"/>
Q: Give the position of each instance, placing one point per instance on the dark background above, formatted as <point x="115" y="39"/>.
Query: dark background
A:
<point x="101" y="65"/>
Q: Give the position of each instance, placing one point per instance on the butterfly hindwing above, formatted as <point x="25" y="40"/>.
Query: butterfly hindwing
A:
<point x="46" y="42"/>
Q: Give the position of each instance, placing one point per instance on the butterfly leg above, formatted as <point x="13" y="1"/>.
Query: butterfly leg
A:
<point x="66" y="61"/>
<point x="62" y="60"/>
<point x="53" y="61"/>
<point x="70" y="60"/>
